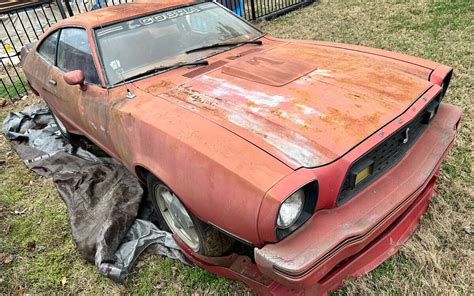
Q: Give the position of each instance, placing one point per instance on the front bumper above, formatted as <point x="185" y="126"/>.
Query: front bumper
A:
<point x="356" y="237"/>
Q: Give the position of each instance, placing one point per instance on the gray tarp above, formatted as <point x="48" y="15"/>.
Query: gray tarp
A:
<point x="102" y="197"/>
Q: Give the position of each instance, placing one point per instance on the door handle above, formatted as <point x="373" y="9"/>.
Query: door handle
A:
<point x="52" y="82"/>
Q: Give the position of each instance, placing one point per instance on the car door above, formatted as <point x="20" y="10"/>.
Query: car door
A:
<point x="42" y="76"/>
<point x="88" y="108"/>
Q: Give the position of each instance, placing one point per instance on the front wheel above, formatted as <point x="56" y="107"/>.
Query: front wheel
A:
<point x="62" y="129"/>
<point x="173" y="216"/>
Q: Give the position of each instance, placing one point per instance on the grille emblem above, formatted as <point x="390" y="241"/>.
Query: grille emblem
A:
<point x="405" y="139"/>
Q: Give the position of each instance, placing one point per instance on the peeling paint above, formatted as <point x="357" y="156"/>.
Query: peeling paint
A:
<point x="294" y="147"/>
<point x="300" y="122"/>
<point x="318" y="72"/>
<point x="197" y="98"/>
<point x="311" y="119"/>
<point x="255" y="109"/>
<point x="307" y="110"/>
<point x="224" y="87"/>
<point x="280" y="113"/>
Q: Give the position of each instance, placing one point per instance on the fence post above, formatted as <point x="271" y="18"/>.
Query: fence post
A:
<point x="68" y="7"/>
<point x="61" y="8"/>
<point x="252" y="8"/>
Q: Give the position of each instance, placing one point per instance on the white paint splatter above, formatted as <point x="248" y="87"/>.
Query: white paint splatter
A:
<point x="295" y="148"/>
<point x="320" y="72"/>
<point x="309" y="77"/>
<point x="300" y="121"/>
<point x="223" y="87"/>
<point x="255" y="109"/>
<point x="307" y="110"/>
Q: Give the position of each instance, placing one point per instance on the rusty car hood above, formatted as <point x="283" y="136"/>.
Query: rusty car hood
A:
<point x="305" y="104"/>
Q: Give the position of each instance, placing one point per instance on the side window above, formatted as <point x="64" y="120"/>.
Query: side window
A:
<point x="74" y="53"/>
<point x="47" y="49"/>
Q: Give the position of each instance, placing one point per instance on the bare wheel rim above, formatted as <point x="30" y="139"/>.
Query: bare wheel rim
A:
<point x="61" y="126"/>
<point x="176" y="216"/>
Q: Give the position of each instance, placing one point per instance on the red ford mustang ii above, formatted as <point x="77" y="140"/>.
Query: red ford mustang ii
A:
<point x="318" y="157"/>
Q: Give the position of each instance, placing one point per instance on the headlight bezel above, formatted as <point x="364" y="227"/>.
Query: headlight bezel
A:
<point x="311" y="190"/>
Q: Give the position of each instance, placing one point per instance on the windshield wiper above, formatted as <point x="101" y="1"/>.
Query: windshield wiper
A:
<point x="224" y="44"/>
<point x="164" y="68"/>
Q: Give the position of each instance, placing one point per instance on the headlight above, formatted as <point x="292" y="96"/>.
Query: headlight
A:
<point x="290" y="209"/>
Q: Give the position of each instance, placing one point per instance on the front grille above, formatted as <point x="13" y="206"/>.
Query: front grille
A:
<point x="387" y="153"/>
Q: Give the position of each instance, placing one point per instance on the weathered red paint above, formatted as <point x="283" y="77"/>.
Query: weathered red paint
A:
<point x="291" y="116"/>
<point x="75" y="77"/>
<point x="355" y="238"/>
<point x="243" y="133"/>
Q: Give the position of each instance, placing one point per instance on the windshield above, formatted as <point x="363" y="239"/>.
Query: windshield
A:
<point x="162" y="39"/>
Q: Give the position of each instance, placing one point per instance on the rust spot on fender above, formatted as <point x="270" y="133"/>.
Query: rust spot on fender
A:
<point x="160" y="86"/>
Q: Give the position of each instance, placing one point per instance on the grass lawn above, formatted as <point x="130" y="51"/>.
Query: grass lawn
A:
<point x="438" y="259"/>
<point x="13" y="90"/>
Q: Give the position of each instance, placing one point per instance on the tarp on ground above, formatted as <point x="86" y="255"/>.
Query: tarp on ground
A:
<point x="108" y="214"/>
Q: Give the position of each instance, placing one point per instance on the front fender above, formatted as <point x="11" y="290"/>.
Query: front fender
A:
<point x="219" y="176"/>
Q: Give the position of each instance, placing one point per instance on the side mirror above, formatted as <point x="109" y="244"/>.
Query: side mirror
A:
<point x="75" y="77"/>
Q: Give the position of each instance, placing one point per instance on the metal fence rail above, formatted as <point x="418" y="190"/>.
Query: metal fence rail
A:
<point x="18" y="27"/>
<point x="254" y="10"/>
<point x="73" y="7"/>
<point x="25" y="23"/>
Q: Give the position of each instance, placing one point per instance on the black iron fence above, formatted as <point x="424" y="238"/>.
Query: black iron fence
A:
<point x="24" y="21"/>
<point x="254" y="10"/>
<point x="21" y="22"/>
<point x="72" y="7"/>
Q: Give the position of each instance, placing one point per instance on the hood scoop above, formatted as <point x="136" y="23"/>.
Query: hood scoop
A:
<point x="268" y="69"/>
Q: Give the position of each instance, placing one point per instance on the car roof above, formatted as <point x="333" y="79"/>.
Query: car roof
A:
<point x="118" y="12"/>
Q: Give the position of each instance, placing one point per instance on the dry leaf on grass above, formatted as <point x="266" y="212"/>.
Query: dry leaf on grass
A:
<point x="64" y="281"/>
<point x="468" y="229"/>
<point x="31" y="246"/>
<point x="19" y="291"/>
<point x="8" y="259"/>
<point x="6" y="229"/>
<point x="21" y="211"/>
